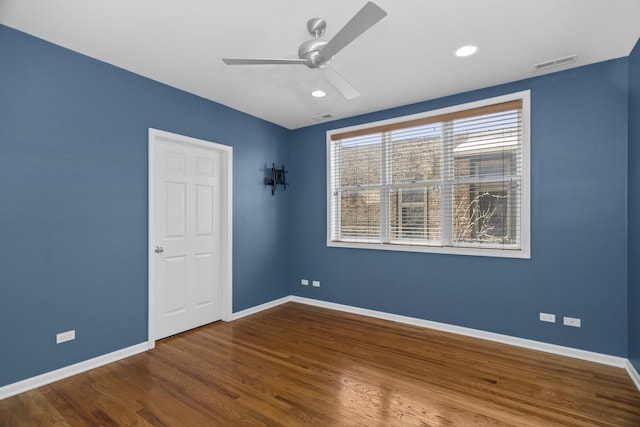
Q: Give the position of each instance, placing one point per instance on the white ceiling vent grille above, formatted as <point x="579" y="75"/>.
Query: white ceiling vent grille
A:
<point x="555" y="63"/>
<point x="323" y="117"/>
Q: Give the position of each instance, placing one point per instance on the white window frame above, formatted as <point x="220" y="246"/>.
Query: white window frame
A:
<point x="525" y="211"/>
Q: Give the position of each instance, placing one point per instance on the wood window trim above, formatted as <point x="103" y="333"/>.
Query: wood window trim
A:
<point x="488" y="109"/>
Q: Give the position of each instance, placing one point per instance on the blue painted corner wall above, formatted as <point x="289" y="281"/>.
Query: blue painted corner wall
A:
<point x="578" y="266"/>
<point x="634" y="207"/>
<point x="73" y="202"/>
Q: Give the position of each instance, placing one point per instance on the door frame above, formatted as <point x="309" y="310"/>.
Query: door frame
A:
<point x="226" y="218"/>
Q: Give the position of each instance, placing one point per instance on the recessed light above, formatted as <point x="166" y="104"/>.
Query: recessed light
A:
<point x="466" y="50"/>
<point x="318" y="93"/>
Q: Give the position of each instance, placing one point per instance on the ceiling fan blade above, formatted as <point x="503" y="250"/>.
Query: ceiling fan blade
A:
<point x="340" y="83"/>
<point x="261" y="61"/>
<point x="367" y="17"/>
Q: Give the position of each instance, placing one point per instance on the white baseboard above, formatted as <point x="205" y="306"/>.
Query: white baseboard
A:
<point x="633" y="373"/>
<point x="68" y="371"/>
<point x="261" y="307"/>
<point x="604" y="359"/>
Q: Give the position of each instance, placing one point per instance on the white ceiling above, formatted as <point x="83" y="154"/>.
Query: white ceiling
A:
<point x="407" y="57"/>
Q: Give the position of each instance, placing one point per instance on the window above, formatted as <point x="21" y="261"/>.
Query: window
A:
<point x="454" y="180"/>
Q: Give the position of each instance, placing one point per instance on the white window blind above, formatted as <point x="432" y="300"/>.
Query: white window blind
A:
<point x="451" y="180"/>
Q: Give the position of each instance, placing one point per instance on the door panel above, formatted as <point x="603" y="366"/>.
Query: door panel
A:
<point x="204" y="166"/>
<point x="204" y="268"/>
<point x="204" y="210"/>
<point x="175" y="207"/>
<point x="175" y="270"/>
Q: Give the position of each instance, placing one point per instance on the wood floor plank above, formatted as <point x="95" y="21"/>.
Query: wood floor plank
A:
<point x="297" y="365"/>
<point x="30" y="409"/>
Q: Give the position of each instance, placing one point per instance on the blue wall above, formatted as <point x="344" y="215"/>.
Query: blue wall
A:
<point x="634" y="207"/>
<point x="73" y="202"/>
<point x="578" y="265"/>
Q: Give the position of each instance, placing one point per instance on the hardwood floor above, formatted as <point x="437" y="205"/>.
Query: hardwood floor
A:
<point x="297" y="365"/>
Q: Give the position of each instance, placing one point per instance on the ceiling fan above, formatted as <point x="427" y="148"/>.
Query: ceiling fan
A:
<point x="317" y="54"/>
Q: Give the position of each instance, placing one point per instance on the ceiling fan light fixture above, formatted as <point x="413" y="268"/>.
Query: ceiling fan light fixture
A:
<point x="467" y="50"/>
<point x="318" y="93"/>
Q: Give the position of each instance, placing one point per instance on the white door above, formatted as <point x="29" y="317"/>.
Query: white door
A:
<point x="187" y="239"/>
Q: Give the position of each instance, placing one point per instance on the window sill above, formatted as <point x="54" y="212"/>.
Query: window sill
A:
<point x="448" y="250"/>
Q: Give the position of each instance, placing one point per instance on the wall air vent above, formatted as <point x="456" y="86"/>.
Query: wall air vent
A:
<point x="555" y="63"/>
<point x="323" y="117"/>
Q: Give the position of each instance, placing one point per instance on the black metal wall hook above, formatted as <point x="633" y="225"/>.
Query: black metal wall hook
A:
<point x="277" y="177"/>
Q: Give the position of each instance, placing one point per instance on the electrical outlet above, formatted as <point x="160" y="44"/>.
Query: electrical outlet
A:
<point x="316" y="283"/>
<point x="547" y="317"/>
<point x="304" y="282"/>
<point x="65" y="336"/>
<point x="571" y="321"/>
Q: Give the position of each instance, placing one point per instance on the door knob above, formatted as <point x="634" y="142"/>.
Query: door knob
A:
<point x="159" y="249"/>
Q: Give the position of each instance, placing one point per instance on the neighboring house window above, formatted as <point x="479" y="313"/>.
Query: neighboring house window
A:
<point x="454" y="180"/>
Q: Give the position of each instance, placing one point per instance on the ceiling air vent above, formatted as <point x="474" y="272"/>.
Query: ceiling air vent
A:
<point x="323" y="117"/>
<point x="554" y="63"/>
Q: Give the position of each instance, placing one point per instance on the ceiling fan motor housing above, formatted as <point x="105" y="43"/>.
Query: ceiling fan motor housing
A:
<point x="310" y="52"/>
